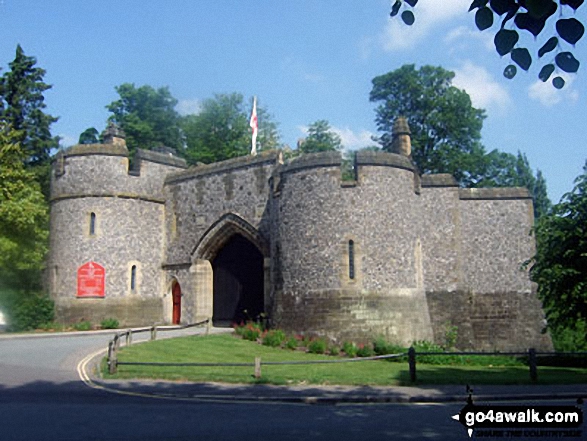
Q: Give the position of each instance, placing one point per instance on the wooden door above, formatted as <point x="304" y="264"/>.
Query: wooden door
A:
<point x="176" y="293"/>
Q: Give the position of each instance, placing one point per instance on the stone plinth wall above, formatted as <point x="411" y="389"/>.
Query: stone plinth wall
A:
<point x="128" y="311"/>
<point x="505" y="321"/>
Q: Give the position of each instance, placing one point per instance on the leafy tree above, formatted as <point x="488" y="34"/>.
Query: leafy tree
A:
<point x="89" y="136"/>
<point x="21" y="89"/>
<point x="320" y="138"/>
<point x="221" y="130"/>
<point x="507" y="170"/>
<point x="23" y="216"/>
<point x="147" y="116"/>
<point x="560" y="262"/>
<point x="446" y="128"/>
<point x="523" y="15"/>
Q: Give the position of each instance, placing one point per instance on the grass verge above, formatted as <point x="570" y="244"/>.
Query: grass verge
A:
<point x="228" y="348"/>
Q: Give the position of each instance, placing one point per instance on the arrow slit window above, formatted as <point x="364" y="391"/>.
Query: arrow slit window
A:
<point x="92" y="224"/>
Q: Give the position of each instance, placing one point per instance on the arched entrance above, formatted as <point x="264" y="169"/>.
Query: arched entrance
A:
<point x="238" y="282"/>
<point x="176" y="299"/>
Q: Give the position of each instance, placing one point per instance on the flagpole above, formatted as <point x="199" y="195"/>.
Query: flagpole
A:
<point x="255" y="127"/>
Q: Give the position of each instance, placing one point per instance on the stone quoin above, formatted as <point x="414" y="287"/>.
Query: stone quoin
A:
<point x="392" y="253"/>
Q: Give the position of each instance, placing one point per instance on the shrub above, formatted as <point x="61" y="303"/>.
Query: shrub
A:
<point x="382" y="347"/>
<point x="84" y="325"/>
<point x="109" y="323"/>
<point x="349" y="348"/>
<point x="31" y="311"/>
<point x="252" y="331"/>
<point x="51" y="326"/>
<point x="291" y="343"/>
<point x="274" y="338"/>
<point x="364" y="351"/>
<point x="317" y="346"/>
<point x="451" y="334"/>
<point x="334" y="350"/>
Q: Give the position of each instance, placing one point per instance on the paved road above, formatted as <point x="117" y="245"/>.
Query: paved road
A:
<point x="42" y="398"/>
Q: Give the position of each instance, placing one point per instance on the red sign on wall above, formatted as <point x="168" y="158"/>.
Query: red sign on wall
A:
<point x="90" y="280"/>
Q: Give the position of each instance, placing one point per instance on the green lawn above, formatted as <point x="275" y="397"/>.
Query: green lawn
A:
<point x="228" y="348"/>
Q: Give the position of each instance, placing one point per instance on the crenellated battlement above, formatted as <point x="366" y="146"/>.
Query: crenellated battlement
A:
<point x="95" y="170"/>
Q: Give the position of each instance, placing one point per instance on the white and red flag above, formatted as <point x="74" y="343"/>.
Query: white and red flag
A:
<point x="255" y="127"/>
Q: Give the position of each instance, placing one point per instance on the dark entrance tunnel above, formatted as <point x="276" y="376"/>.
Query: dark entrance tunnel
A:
<point x="238" y="282"/>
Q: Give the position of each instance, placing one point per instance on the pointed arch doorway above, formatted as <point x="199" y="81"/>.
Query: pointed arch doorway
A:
<point x="238" y="293"/>
<point x="231" y="268"/>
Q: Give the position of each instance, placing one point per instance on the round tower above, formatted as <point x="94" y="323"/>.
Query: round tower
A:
<point x="107" y="232"/>
<point x="348" y="261"/>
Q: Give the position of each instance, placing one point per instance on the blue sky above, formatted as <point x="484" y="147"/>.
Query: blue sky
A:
<point x="304" y="59"/>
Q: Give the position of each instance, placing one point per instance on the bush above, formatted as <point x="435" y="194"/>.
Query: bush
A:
<point x="365" y="351"/>
<point x="84" y="325"/>
<point x="252" y="331"/>
<point x="349" y="348"/>
<point x="334" y="350"/>
<point x="317" y="346"/>
<point x="291" y="343"/>
<point x="31" y="311"/>
<point x="109" y="323"/>
<point x="571" y="338"/>
<point x="274" y="338"/>
<point x="382" y="347"/>
<point x="52" y="326"/>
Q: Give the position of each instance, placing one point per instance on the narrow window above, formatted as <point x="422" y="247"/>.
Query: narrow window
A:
<point x="351" y="259"/>
<point x="92" y="224"/>
<point x="133" y="278"/>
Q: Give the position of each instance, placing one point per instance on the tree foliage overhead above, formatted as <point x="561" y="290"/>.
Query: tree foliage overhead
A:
<point x="560" y="264"/>
<point x="147" y="116"/>
<point x="320" y="139"/>
<point x="530" y="16"/>
<point x="221" y="130"/>
<point x="446" y="128"/>
<point x="23" y="104"/>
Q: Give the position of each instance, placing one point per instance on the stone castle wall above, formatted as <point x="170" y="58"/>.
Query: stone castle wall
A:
<point x="129" y="227"/>
<point x="391" y="253"/>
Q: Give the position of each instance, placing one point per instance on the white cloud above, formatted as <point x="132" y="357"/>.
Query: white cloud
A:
<point x="484" y="90"/>
<point x="67" y="140"/>
<point x="398" y="36"/>
<point x="188" y="107"/>
<point x="351" y="140"/>
<point x="549" y="96"/>
<point x="461" y="36"/>
<point x="354" y="140"/>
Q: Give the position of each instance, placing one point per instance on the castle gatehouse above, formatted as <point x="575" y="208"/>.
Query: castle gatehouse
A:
<point x="391" y="253"/>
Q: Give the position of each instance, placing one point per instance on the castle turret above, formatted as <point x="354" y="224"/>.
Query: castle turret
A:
<point x="401" y="142"/>
<point x="114" y="135"/>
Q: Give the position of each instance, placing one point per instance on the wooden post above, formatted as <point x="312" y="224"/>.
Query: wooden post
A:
<point x="257" y="367"/>
<point x="117" y="341"/>
<point x="112" y="359"/>
<point x="208" y="326"/>
<point x="154" y="333"/>
<point x="129" y="337"/>
<point x="412" y="363"/>
<point x="532" y="364"/>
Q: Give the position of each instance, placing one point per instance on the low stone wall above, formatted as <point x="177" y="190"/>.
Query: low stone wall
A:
<point x="128" y="311"/>
<point x="503" y="321"/>
<point x="355" y="315"/>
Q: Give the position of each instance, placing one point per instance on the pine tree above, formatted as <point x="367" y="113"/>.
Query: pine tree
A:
<point x="22" y="89"/>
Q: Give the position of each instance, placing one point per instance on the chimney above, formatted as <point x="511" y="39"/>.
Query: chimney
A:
<point x="114" y="135"/>
<point x="400" y="139"/>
